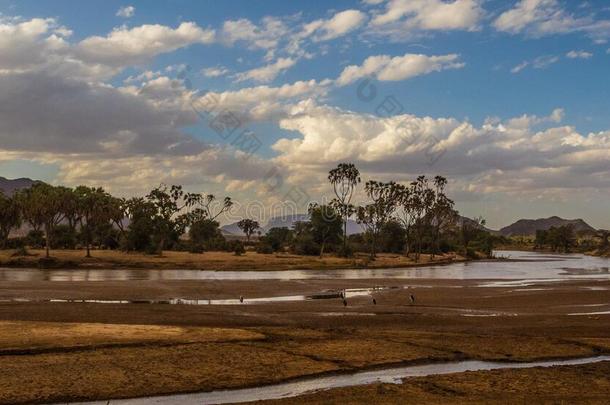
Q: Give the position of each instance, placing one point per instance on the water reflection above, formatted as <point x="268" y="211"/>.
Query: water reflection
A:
<point x="528" y="266"/>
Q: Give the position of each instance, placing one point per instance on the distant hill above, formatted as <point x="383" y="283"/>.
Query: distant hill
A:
<point x="470" y="221"/>
<point x="526" y="227"/>
<point x="10" y="186"/>
<point x="287" y="221"/>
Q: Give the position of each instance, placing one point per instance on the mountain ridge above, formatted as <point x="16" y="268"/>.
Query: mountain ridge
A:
<point x="527" y="227"/>
<point x="9" y="186"/>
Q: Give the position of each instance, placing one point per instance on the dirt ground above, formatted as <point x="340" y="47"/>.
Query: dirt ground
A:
<point x="53" y="352"/>
<point x="111" y="259"/>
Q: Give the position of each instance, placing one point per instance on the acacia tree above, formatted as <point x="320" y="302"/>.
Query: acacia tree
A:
<point x="41" y="206"/>
<point x="325" y="225"/>
<point x="166" y="220"/>
<point x="344" y="178"/>
<point x="422" y="199"/>
<point x="94" y="209"/>
<point x="385" y="199"/>
<point x="469" y="230"/>
<point x="441" y="212"/>
<point x="10" y="217"/>
<point x="248" y="226"/>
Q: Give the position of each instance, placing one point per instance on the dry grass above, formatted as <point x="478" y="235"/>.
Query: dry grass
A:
<point x="210" y="260"/>
<point x="140" y="371"/>
<point x="46" y="335"/>
<point x="149" y="360"/>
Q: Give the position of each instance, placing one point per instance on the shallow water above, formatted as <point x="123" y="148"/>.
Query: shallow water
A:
<point x="310" y="385"/>
<point x="324" y="295"/>
<point x="530" y="266"/>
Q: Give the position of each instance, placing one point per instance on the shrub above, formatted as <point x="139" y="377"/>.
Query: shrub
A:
<point x="35" y="239"/>
<point x="236" y="247"/>
<point x="196" y="248"/>
<point x="264" y="248"/>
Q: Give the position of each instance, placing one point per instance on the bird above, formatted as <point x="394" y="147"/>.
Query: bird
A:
<point x="241" y="299"/>
<point x="412" y="297"/>
<point x="374" y="301"/>
<point x="344" y="302"/>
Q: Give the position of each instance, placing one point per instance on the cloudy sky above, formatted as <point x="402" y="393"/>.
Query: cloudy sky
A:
<point x="510" y="99"/>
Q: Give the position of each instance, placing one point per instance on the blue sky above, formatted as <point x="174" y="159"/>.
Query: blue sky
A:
<point x="463" y="75"/>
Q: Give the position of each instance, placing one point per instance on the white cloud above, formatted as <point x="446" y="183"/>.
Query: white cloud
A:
<point x="541" y="62"/>
<point x="387" y="68"/>
<point x="404" y="18"/>
<point x="125" y="46"/>
<point x="266" y="73"/>
<point x="513" y="156"/>
<point x="267" y="35"/>
<point x="215" y="71"/>
<point x="539" y="18"/>
<point x="126" y="12"/>
<point x="263" y="102"/>
<point x="579" y="55"/>
<point x="337" y="26"/>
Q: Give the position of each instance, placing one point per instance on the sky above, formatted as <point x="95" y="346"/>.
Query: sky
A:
<point x="509" y="99"/>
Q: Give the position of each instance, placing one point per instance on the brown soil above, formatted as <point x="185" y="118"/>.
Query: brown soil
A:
<point x="51" y="352"/>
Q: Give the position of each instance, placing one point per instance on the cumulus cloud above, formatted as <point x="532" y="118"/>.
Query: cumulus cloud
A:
<point x="524" y="154"/>
<point x="126" y="12"/>
<point x="41" y="45"/>
<point x="267" y="35"/>
<point x="338" y="25"/>
<point x="405" y="18"/>
<point x="387" y="68"/>
<point x="125" y="46"/>
<point x="266" y="73"/>
<point x="262" y="102"/>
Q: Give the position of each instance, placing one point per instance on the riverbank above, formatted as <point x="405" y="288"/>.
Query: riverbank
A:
<point x="112" y="259"/>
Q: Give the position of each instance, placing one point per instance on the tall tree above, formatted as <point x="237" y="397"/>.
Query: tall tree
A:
<point x="385" y="199"/>
<point x="326" y="225"/>
<point x="10" y="217"/>
<point x="469" y="230"/>
<point x="94" y="209"/>
<point x="344" y="179"/>
<point x="166" y="220"/>
<point x="442" y="212"/>
<point x="42" y="206"/>
<point x="248" y="227"/>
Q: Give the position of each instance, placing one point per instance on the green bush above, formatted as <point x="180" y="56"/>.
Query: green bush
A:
<point x="35" y="239"/>
<point x="264" y="248"/>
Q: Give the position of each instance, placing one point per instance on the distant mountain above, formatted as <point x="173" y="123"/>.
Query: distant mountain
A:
<point x="472" y="222"/>
<point x="10" y="186"/>
<point x="287" y="221"/>
<point x="526" y="227"/>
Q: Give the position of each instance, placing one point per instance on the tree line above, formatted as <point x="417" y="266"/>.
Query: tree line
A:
<point x="411" y="219"/>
